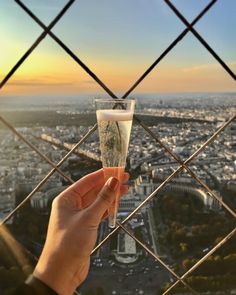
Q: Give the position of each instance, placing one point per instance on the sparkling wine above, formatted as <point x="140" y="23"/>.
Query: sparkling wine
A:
<point x="114" y="128"/>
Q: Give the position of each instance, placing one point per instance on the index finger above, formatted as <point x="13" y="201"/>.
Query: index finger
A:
<point x="88" y="182"/>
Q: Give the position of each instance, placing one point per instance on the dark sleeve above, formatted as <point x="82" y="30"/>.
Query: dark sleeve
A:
<point x="33" y="286"/>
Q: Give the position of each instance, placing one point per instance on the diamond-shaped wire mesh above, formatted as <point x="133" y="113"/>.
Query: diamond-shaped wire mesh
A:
<point x="183" y="165"/>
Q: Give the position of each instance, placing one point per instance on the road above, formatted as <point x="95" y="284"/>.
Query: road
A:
<point x="146" y="275"/>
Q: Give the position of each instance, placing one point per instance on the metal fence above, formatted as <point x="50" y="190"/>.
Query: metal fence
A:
<point x="183" y="165"/>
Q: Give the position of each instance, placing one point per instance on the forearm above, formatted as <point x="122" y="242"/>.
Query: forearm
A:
<point x="62" y="277"/>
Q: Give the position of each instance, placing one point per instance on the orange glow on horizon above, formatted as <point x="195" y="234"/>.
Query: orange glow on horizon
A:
<point x="118" y="53"/>
<point x="205" y="78"/>
<point x="47" y="73"/>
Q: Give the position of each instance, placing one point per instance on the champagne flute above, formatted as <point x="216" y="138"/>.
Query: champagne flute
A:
<point x="114" y="117"/>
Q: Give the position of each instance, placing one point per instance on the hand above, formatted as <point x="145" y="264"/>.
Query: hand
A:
<point x="72" y="231"/>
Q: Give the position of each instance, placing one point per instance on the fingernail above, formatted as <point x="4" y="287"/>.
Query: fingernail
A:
<point x="113" y="183"/>
<point x="126" y="175"/>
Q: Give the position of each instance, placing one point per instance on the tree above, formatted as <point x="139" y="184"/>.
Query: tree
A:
<point x="184" y="248"/>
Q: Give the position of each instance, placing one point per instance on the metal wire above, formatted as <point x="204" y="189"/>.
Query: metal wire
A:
<point x="40" y="184"/>
<point x="202" y="41"/>
<point x="169" y="48"/>
<point x="36" y="43"/>
<point x="120" y="225"/>
<point x="168" y="179"/>
<point x="146" y="247"/>
<point x="34" y="148"/>
<point x="68" y="51"/>
<point x="200" y="261"/>
<point x="157" y="258"/>
<point x="183" y="165"/>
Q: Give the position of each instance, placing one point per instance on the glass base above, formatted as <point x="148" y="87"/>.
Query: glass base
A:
<point x="112" y="221"/>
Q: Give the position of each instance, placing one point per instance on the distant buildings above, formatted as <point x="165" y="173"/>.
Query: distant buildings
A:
<point x="22" y="169"/>
<point x="143" y="185"/>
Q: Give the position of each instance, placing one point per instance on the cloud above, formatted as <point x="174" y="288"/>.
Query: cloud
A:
<point x="89" y="82"/>
<point x="39" y="83"/>
<point x="207" y="67"/>
<point x="48" y="81"/>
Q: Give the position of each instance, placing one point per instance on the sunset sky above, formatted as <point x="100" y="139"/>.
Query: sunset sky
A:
<point x="118" y="40"/>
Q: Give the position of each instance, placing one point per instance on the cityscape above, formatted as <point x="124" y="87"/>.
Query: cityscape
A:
<point x="175" y="229"/>
<point x="180" y="224"/>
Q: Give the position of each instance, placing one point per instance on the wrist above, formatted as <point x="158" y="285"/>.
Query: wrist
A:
<point x="61" y="278"/>
<point x="38" y="287"/>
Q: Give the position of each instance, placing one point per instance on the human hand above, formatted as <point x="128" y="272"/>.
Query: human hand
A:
<point x="72" y="231"/>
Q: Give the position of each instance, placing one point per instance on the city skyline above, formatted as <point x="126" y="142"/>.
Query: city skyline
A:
<point x="118" y="41"/>
<point x="179" y="224"/>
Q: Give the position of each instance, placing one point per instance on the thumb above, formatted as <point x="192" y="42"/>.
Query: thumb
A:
<point x="105" y="198"/>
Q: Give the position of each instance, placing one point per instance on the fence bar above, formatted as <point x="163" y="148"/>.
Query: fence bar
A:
<point x="196" y="265"/>
<point x="168" y="49"/>
<point x="168" y="179"/>
<point x="34" y="148"/>
<point x="204" y="43"/>
<point x="67" y="49"/>
<point x="40" y="184"/>
<point x="157" y="258"/>
<point x="35" y="44"/>
<point x="184" y="164"/>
